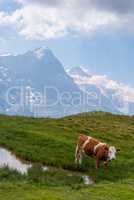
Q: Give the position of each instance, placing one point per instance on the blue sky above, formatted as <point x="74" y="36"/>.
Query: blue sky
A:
<point x="101" y="39"/>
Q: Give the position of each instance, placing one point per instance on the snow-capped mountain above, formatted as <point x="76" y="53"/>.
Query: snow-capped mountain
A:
<point x="112" y="94"/>
<point x="40" y="67"/>
<point x="32" y="80"/>
<point x="36" y="83"/>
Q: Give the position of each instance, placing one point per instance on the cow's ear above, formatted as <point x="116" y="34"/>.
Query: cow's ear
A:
<point x="118" y="150"/>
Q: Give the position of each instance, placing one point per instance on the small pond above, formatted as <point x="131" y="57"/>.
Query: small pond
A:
<point x="10" y="160"/>
<point x="7" y="158"/>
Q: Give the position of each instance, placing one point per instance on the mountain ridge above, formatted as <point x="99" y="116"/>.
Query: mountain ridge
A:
<point x="68" y="91"/>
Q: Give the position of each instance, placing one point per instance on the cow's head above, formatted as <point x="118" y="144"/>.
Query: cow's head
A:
<point x="112" y="153"/>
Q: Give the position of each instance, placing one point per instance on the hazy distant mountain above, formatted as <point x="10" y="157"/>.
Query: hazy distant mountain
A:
<point x="40" y="67"/>
<point x="41" y="76"/>
<point x="113" y="96"/>
<point x="35" y="83"/>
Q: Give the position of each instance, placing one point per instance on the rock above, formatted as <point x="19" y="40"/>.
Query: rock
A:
<point x="87" y="180"/>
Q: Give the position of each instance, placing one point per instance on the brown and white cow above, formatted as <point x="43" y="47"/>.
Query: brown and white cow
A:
<point x="94" y="148"/>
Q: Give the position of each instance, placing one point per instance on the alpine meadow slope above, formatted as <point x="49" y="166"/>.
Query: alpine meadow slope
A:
<point x="52" y="142"/>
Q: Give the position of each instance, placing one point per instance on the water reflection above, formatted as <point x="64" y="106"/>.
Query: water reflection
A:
<point x="10" y="160"/>
<point x="87" y="180"/>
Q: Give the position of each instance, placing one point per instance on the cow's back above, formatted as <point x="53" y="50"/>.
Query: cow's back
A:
<point x="89" y="147"/>
<point x="87" y="144"/>
<point x="82" y="139"/>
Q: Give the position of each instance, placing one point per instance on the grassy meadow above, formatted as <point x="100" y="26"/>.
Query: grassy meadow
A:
<point x="52" y="142"/>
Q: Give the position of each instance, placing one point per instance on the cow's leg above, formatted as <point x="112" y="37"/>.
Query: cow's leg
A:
<point x="97" y="163"/>
<point x="80" y="148"/>
<point x="96" y="171"/>
<point x="80" y="157"/>
<point x="78" y="154"/>
<point x="106" y="165"/>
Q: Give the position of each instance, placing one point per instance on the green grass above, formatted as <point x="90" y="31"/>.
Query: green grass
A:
<point x="25" y="191"/>
<point x="52" y="142"/>
<point x="59" y="185"/>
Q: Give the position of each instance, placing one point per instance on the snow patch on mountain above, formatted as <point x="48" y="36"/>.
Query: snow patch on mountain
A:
<point x="4" y="75"/>
<point x="40" y="52"/>
<point x="78" y="71"/>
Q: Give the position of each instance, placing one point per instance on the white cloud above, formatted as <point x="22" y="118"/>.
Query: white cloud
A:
<point x="40" y="22"/>
<point x="118" y="6"/>
<point x="48" y="19"/>
<point x="43" y="2"/>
